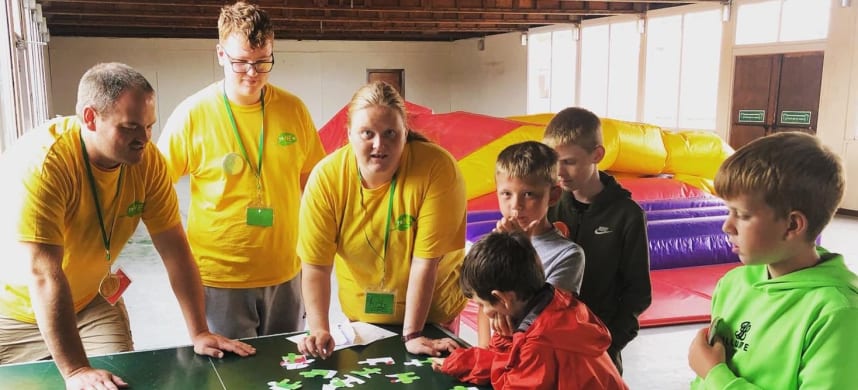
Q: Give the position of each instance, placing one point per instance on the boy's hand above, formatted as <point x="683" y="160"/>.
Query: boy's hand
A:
<point x="501" y="325"/>
<point x="511" y="224"/>
<point x="702" y="357"/>
<point x="437" y="363"/>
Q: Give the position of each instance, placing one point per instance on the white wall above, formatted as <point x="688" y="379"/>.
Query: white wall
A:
<point x="838" y="102"/>
<point x="491" y="81"/>
<point x="441" y="75"/>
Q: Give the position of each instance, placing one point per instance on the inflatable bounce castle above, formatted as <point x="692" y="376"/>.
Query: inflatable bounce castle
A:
<point x="669" y="174"/>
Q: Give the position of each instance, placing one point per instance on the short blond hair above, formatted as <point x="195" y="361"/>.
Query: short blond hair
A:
<point x="528" y="160"/>
<point x="248" y="20"/>
<point x="790" y="171"/>
<point x="574" y="126"/>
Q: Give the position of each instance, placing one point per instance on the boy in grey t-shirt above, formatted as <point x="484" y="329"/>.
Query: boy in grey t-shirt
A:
<point x="526" y="174"/>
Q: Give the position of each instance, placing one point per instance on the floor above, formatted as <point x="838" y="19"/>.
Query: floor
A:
<point x="656" y="359"/>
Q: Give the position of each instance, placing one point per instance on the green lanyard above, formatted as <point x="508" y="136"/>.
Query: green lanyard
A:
<point x="258" y="171"/>
<point x="389" y="214"/>
<point x="105" y="237"/>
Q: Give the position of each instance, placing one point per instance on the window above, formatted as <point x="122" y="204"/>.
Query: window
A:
<point x="773" y="21"/>
<point x="594" y="68"/>
<point x="623" y="71"/>
<point x="8" y="124"/>
<point x="683" y="56"/>
<point x="551" y="70"/>
<point x="609" y="69"/>
<point x="23" y="81"/>
<point x="663" y="56"/>
<point x="701" y="58"/>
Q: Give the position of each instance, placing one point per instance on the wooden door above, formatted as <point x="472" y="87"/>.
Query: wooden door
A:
<point x="772" y="93"/>
<point x="798" y="96"/>
<point x="394" y="77"/>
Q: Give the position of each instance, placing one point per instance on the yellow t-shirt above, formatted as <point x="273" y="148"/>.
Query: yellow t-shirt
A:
<point x="48" y="200"/>
<point x="196" y="140"/>
<point x="344" y="223"/>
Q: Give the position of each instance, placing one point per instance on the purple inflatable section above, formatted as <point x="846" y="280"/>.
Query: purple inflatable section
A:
<point x="657" y="215"/>
<point x="681" y="232"/>
<point x="475" y="230"/>
<point x="484" y="215"/>
<point x="675" y="243"/>
<point x="679" y="203"/>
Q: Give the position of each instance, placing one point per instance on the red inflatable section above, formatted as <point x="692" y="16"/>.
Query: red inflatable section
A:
<point x="659" y="188"/>
<point x="447" y="130"/>
<point x="443" y="129"/>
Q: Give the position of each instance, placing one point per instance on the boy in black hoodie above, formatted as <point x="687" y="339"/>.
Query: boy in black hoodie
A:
<point x="603" y="219"/>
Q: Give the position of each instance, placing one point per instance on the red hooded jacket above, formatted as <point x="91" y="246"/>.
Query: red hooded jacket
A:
<point x="563" y="348"/>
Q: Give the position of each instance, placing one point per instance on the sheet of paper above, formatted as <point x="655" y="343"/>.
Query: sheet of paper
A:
<point x="351" y="334"/>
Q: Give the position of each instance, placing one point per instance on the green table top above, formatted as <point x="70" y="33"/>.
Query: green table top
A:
<point x="181" y="368"/>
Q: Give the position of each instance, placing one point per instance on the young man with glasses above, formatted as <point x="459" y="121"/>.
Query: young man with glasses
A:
<point x="248" y="147"/>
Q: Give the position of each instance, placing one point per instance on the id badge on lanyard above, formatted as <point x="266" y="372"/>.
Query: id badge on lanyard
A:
<point x="379" y="302"/>
<point x="113" y="285"/>
<point x="258" y="214"/>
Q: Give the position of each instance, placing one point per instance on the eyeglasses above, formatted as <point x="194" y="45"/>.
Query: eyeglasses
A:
<point x="244" y="66"/>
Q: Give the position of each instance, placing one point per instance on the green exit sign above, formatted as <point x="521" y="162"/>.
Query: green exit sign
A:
<point x="795" y="117"/>
<point x="752" y="116"/>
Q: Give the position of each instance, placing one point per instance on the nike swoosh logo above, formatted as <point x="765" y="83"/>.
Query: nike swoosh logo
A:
<point x="603" y="230"/>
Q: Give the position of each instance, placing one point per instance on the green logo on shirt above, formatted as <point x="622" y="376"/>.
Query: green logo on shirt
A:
<point x="285" y="139"/>
<point x="404" y="222"/>
<point x="134" y="209"/>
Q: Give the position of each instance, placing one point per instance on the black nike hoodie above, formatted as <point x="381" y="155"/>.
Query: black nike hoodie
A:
<point x="612" y="231"/>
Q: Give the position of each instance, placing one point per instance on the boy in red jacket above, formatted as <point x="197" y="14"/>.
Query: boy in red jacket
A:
<point x="557" y="343"/>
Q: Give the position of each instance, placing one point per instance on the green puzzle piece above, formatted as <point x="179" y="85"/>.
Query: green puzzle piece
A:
<point x="292" y="357"/>
<point x="286" y="384"/>
<point x="314" y="372"/>
<point x="405" y="377"/>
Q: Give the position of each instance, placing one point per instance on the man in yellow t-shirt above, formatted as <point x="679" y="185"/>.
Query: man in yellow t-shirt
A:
<point x="77" y="187"/>
<point x="247" y="147"/>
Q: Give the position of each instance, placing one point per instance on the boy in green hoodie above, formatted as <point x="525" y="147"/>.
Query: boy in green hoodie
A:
<point x="790" y="314"/>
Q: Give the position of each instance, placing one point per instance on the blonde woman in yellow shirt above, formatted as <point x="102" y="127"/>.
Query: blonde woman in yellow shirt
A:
<point x="389" y="210"/>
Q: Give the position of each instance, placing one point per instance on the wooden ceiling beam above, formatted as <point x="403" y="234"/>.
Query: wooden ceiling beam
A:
<point x="88" y="31"/>
<point x="292" y="27"/>
<point x="156" y="6"/>
<point x="55" y="15"/>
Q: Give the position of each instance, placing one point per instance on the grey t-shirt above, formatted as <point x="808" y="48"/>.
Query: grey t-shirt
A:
<point x="562" y="260"/>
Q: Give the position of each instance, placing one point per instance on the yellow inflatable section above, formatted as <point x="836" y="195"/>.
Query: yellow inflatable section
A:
<point x="631" y="149"/>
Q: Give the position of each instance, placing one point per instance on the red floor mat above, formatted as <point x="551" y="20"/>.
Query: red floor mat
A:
<point x="682" y="295"/>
